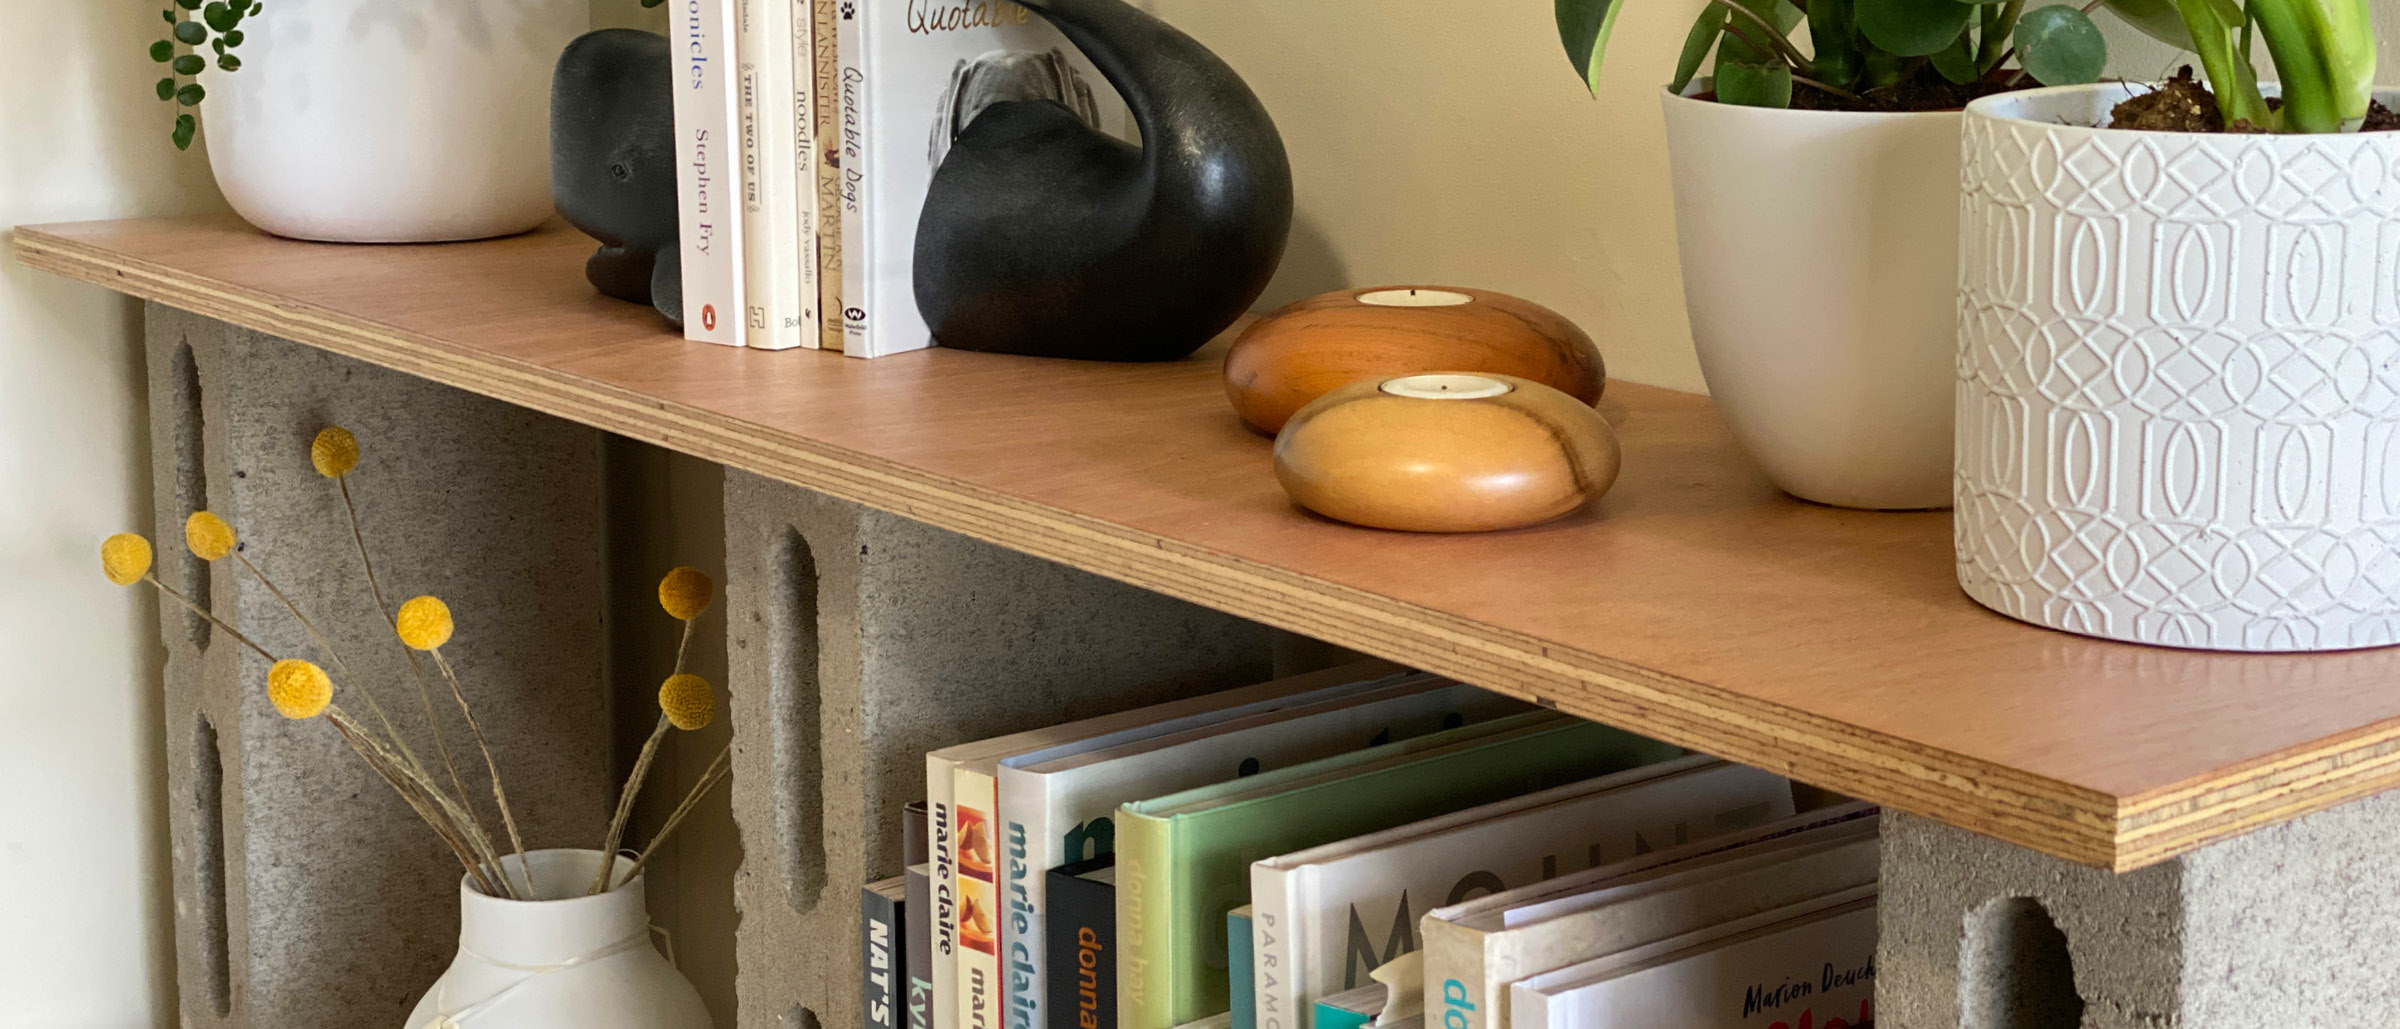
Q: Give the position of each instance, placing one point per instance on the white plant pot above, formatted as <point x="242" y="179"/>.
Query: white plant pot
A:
<point x="367" y="121"/>
<point x="2179" y="378"/>
<point x="1819" y="269"/>
<point x="573" y="963"/>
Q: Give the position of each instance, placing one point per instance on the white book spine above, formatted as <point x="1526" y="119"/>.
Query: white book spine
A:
<point x="857" y="238"/>
<point x="771" y="240"/>
<point x="707" y="177"/>
<point x="1275" y="900"/>
<point x="800" y="90"/>
<point x="983" y="922"/>
<point x="940" y="817"/>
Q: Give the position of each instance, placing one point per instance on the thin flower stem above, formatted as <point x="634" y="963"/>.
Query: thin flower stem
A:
<point x="481" y="843"/>
<point x="633" y="788"/>
<point x="220" y="623"/>
<point x="339" y="666"/>
<point x="416" y="799"/>
<point x="1835" y="90"/>
<point x="433" y="722"/>
<point x="499" y="795"/>
<point x="717" y="772"/>
<point x="684" y="648"/>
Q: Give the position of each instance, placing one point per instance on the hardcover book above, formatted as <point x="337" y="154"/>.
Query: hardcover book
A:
<point x="971" y="912"/>
<point x="883" y="941"/>
<point x="821" y="68"/>
<point x="1241" y="949"/>
<point x="1062" y="801"/>
<point x="1813" y="967"/>
<point x="779" y="273"/>
<point x="707" y="170"/>
<point x="913" y="76"/>
<point x="1475" y="949"/>
<point x="1315" y="908"/>
<point x="916" y="846"/>
<point x="1082" y="944"/>
<point x="1183" y="859"/>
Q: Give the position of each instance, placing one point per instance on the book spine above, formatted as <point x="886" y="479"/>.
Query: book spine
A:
<point x="917" y="943"/>
<point x="826" y="150"/>
<point x="880" y="932"/>
<point x="982" y="924"/>
<point x="770" y="195"/>
<point x="1279" y="972"/>
<point x="707" y="179"/>
<point x="943" y="871"/>
<point x="1331" y="1017"/>
<point x="1241" y="962"/>
<point x="857" y="255"/>
<point x="1082" y="947"/>
<point x="799" y="95"/>
<point x="1456" y="996"/>
<point x="1023" y="860"/>
<point x="1145" y="926"/>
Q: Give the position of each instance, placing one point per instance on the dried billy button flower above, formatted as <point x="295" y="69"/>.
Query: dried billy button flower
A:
<point x="125" y="558"/>
<point x="686" y="592"/>
<point x="687" y="702"/>
<point x="334" y="452"/>
<point x="299" y="690"/>
<point x="209" y="536"/>
<point x="424" y="623"/>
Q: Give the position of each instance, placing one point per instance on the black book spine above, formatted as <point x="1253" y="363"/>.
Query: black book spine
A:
<point x="919" y="950"/>
<point x="1082" y="948"/>
<point x="881" y="940"/>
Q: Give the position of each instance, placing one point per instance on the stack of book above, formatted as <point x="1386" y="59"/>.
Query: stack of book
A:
<point x="1367" y="847"/>
<point x="807" y="132"/>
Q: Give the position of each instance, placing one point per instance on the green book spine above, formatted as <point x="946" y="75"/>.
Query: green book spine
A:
<point x="1145" y="944"/>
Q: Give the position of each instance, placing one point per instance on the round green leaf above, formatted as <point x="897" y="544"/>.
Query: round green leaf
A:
<point x="191" y="95"/>
<point x="168" y="14"/>
<point x="162" y="51"/>
<point x="1755" y="85"/>
<point x="1956" y="62"/>
<point x="2060" y="46"/>
<point x="191" y="32"/>
<point x="233" y="38"/>
<point x="166" y="89"/>
<point x="230" y="63"/>
<point x="189" y="5"/>
<point x="1912" y="28"/>
<point x="185" y="126"/>
<point x="189" y="64"/>
<point x="218" y="16"/>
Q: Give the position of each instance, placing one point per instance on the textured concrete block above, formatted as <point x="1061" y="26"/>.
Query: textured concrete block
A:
<point x="2294" y="925"/>
<point x="860" y="640"/>
<point x="306" y="894"/>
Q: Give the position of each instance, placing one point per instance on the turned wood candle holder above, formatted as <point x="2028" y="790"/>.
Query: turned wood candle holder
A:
<point x="1317" y="345"/>
<point x="1446" y="452"/>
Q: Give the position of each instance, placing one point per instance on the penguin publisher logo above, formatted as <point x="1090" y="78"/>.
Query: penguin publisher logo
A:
<point x="708" y="317"/>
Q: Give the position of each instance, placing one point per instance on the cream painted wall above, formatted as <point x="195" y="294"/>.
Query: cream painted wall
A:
<point x="83" y="903"/>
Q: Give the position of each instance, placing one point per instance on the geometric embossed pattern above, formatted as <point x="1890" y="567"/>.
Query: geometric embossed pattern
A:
<point x="2179" y="384"/>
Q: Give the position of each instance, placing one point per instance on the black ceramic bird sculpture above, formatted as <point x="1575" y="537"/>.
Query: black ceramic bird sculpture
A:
<point x="612" y="163"/>
<point x="1042" y="236"/>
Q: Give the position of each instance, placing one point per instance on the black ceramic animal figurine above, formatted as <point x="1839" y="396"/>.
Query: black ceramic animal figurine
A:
<point x="612" y="163"/>
<point x="1043" y="237"/>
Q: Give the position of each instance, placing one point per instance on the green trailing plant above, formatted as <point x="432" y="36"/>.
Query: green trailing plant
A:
<point x="218" y="29"/>
<point x="1859" y="45"/>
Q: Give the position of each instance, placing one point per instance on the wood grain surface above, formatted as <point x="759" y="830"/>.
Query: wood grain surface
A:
<point x="1694" y="602"/>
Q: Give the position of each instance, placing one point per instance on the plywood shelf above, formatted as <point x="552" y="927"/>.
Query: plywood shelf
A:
<point x="1695" y="603"/>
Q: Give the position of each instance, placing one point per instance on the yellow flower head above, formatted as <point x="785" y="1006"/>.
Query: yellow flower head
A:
<point x="425" y="623"/>
<point x="298" y="689"/>
<point x="686" y="592"/>
<point x="208" y="536"/>
<point x="687" y="702"/>
<point x="125" y="558"/>
<point x="334" y="452"/>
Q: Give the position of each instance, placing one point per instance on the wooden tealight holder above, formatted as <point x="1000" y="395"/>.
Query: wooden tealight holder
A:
<point x="1446" y="452"/>
<point x="1317" y="345"/>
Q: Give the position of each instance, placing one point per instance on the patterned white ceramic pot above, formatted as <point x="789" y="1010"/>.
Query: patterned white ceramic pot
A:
<point x="2178" y="378"/>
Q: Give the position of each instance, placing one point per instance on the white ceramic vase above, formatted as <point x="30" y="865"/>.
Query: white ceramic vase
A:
<point x="367" y="121"/>
<point x="1819" y="268"/>
<point x="574" y="963"/>
<point x="2179" y="378"/>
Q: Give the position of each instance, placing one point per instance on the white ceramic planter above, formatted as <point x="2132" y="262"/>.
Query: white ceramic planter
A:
<point x="367" y="121"/>
<point x="2179" y="378"/>
<point x="574" y="963"/>
<point x="1819" y="270"/>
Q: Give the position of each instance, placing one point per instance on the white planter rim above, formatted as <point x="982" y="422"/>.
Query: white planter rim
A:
<point x="1704" y="83"/>
<point x="2001" y="107"/>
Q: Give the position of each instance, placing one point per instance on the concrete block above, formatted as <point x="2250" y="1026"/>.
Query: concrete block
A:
<point x="305" y="893"/>
<point x="859" y="640"/>
<point x="2293" y="925"/>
